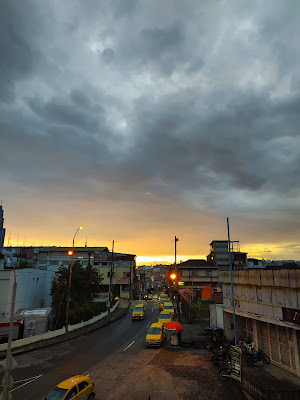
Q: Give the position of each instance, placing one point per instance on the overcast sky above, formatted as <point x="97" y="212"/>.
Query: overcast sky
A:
<point x="141" y="120"/>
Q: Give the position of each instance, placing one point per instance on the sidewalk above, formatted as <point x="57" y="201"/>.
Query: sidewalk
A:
<point x="260" y="381"/>
<point x="117" y="314"/>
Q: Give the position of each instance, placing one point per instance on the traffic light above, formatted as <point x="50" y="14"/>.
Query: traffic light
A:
<point x="173" y="276"/>
<point x="70" y="252"/>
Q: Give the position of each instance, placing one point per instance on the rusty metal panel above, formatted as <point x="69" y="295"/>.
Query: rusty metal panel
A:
<point x="281" y="277"/>
<point x="235" y="275"/>
<point x="254" y="277"/>
<point x="267" y="310"/>
<point x="294" y="278"/>
<point x="277" y="313"/>
<point x="277" y="296"/>
<point x="252" y="294"/>
<point x="253" y="308"/>
<point x="290" y="299"/>
<point x="266" y="295"/>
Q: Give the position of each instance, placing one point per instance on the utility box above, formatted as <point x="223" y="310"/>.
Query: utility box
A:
<point x="36" y="321"/>
<point x="4" y="330"/>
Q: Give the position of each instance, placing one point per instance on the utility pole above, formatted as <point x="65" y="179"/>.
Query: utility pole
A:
<point x="7" y="380"/>
<point x="110" y="281"/>
<point x="71" y="253"/>
<point x="232" y="289"/>
<point x="176" y="269"/>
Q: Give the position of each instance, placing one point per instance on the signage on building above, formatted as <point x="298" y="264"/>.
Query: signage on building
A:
<point x="181" y="283"/>
<point x="291" y="315"/>
<point x="236" y="358"/>
<point x="123" y="280"/>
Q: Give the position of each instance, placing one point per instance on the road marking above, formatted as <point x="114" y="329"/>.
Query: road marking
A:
<point x="148" y="324"/>
<point x="26" y="383"/>
<point x="129" y="345"/>
<point x="152" y="309"/>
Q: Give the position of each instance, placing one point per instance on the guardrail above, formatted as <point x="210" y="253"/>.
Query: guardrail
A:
<point x="58" y="332"/>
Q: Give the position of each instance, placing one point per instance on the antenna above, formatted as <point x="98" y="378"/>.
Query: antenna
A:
<point x="86" y="241"/>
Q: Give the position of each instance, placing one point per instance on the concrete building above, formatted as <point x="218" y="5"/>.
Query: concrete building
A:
<point x="255" y="263"/>
<point x="200" y="277"/>
<point x="267" y="311"/>
<point x="33" y="289"/>
<point x="124" y="281"/>
<point x="219" y="254"/>
<point x="2" y="229"/>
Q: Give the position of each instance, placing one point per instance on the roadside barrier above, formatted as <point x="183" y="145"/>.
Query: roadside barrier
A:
<point x="58" y="332"/>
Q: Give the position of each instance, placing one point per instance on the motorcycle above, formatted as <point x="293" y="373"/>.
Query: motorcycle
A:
<point x="225" y="373"/>
<point x="220" y="356"/>
<point x="257" y="356"/>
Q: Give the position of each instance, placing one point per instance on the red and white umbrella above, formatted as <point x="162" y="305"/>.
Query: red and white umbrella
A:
<point x="174" y="326"/>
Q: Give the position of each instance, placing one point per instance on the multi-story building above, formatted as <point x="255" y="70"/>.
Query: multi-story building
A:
<point x="219" y="254"/>
<point x="267" y="304"/>
<point x="122" y="266"/>
<point x="200" y="277"/>
<point x="2" y="229"/>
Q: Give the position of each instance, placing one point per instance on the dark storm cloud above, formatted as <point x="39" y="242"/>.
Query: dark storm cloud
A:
<point x="188" y="100"/>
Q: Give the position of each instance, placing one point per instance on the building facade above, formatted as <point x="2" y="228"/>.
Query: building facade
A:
<point x="2" y="229"/>
<point x="267" y="304"/>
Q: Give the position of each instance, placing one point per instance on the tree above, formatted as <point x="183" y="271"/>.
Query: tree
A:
<point x="23" y="263"/>
<point x="85" y="287"/>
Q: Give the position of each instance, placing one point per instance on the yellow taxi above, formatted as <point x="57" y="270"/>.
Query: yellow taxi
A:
<point x="155" y="335"/>
<point x="168" y="306"/>
<point x="76" y="388"/>
<point x="164" y="317"/>
<point x="138" y="312"/>
<point x="162" y="302"/>
<point x="163" y="296"/>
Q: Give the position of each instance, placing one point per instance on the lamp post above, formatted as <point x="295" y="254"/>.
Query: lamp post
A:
<point x="71" y="253"/>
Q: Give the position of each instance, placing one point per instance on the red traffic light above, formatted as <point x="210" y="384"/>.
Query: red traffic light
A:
<point x="173" y="276"/>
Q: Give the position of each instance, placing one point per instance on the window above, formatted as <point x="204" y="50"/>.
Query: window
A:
<point x="53" y="262"/>
<point x="72" y="393"/>
<point x="125" y="275"/>
<point x="82" y="385"/>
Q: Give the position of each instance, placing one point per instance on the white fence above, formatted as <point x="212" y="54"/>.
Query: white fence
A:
<point x="58" y="332"/>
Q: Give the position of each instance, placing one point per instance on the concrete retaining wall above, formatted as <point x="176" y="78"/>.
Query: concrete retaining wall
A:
<point x="58" y="332"/>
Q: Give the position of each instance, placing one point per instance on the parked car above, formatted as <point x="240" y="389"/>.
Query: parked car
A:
<point x="156" y="335"/>
<point x="164" y="317"/>
<point x="76" y="387"/>
<point x="168" y="306"/>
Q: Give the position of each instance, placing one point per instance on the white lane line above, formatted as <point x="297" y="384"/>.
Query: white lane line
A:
<point x="148" y="324"/>
<point x="29" y="381"/>
<point x="152" y="309"/>
<point x="129" y="345"/>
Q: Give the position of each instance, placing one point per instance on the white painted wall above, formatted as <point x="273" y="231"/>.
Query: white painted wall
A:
<point x="33" y="285"/>
<point x="4" y="290"/>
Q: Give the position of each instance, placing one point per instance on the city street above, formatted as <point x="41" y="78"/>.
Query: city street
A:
<point x="120" y="365"/>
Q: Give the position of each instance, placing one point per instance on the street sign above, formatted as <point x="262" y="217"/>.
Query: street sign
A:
<point x="10" y="381"/>
<point x="9" y="397"/>
<point x="13" y="363"/>
<point x="236" y="364"/>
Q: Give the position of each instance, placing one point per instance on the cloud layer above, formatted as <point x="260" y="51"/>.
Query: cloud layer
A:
<point x="151" y="117"/>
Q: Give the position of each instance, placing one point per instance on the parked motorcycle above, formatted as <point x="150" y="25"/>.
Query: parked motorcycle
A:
<point x="257" y="356"/>
<point x="225" y="373"/>
<point x="219" y="356"/>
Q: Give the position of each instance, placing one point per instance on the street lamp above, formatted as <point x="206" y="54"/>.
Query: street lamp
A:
<point x="70" y="253"/>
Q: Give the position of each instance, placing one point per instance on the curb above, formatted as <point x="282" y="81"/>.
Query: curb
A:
<point x="64" y="338"/>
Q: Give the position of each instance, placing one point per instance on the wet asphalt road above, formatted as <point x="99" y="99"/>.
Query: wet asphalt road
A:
<point x="59" y="362"/>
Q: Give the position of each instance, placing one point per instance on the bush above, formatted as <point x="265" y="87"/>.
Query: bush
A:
<point x="85" y="311"/>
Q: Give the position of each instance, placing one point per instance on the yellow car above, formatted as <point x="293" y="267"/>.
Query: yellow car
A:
<point x="77" y="387"/>
<point x="164" y="317"/>
<point x="169" y="307"/>
<point x="155" y="335"/>
<point x="163" y="296"/>
<point x="162" y="302"/>
<point x="138" y="312"/>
